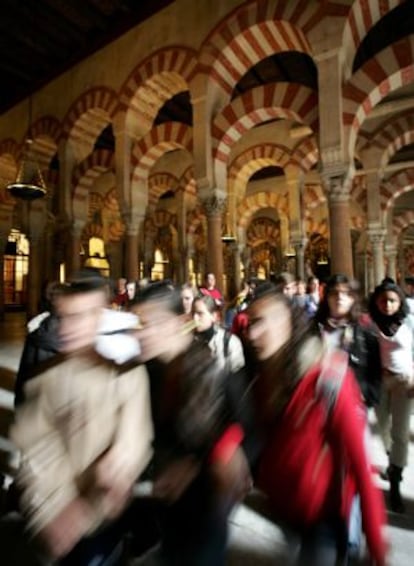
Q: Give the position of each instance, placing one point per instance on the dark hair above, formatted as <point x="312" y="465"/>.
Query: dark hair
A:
<point x="376" y="315"/>
<point x="161" y="291"/>
<point x="302" y="330"/>
<point x="323" y="312"/>
<point x="83" y="281"/>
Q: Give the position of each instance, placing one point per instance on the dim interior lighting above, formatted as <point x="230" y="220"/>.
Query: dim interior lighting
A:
<point x="29" y="183"/>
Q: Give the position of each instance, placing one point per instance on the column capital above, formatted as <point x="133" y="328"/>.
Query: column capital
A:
<point x="299" y="242"/>
<point x="133" y="222"/>
<point x="376" y="235"/>
<point x="390" y="249"/>
<point x="213" y="201"/>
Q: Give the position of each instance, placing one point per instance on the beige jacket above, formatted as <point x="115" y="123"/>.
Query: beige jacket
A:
<point x="75" y="411"/>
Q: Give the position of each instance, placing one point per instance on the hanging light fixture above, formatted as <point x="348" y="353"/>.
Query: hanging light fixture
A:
<point x="228" y="237"/>
<point x="29" y="183"/>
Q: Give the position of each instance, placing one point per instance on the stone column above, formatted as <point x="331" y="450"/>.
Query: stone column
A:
<point x="294" y="182"/>
<point x="182" y="263"/>
<point x="74" y="260"/>
<point x="133" y="227"/>
<point x="361" y="271"/>
<point x="300" y="246"/>
<point x="341" y="245"/>
<point x="376" y="237"/>
<point x="132" y="255"/>
<point x="214" y="205"/>
<point x="33" y="284"/>
<point x="391" y="255"/>
<point x="3" y="242"/>
<point x="370" y="275"/>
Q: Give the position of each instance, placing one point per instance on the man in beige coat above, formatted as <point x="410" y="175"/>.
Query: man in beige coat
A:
<point x="84" y="431"/>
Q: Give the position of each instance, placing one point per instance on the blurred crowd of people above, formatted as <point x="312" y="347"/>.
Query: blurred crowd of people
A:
<point x="147" y="413"/>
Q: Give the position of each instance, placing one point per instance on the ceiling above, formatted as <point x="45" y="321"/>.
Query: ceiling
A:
<point x="40" y="39"/>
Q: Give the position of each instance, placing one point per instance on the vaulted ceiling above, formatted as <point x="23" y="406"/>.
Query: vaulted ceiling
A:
<point x="40" y="39"/>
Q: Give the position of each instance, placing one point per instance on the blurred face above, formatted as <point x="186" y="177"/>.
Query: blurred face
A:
<point x="187" y="297"/>
<point x="388" y="302"/>
<point x="78" y="316"/>
<point x="211" y="281"/>
<point x="313" y="285"/>
<point x="409" y="289"/>
<point x="340" y="301"/>
<point x="270" y="327"/>
<point x="131" y="288"/>
<point x="290" y="289"/>
<point x="161" y="330"/>
<point x="121" y="285"/>
<point x="301" y="288"/>
<point x="203" y="318"/>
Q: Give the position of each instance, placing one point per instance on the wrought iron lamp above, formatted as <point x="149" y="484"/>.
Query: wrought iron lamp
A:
<point x="29" y="184"/>
<point x="228" y="237"/>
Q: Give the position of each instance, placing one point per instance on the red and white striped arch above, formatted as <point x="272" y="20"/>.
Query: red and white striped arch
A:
<point x="46" y="134"/>
<point x="402" y="221"/>
<point x="86" y="119"/>
<point x="195" y="218"/>
<point x="187" y="181"/>
<point x="253" y="159"/>
<point x="391" y="69"/>
<point x="160" y="183"/>
<point x="305" y="154"/>
<point x="257" y="30"/>
<point x="253" y="203"/>
<point x="265" y="154"/>
<point x="85" y="176"/>
<point x="388" y="130"/>
<point x="164" y="218"/>
<point x="161" y="139"/>
<point x="157" y="79"/>
<point x="320" y="227"/>
<point x="405" y="138"/>
<point x="282" y="100"/>
<point x="398" y="184"/>
<point x="252" y="45"/>
<point x="313" y="196"/>
<point x="363" y="15"/>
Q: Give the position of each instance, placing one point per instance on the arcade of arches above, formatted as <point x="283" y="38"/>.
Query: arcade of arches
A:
<point x="288" y="125"/>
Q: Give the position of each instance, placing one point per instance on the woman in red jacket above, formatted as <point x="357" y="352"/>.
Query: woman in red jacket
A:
<point x="313" y="459"/>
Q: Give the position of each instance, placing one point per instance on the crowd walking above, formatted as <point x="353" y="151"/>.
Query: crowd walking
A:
<point x="158" y="386"/>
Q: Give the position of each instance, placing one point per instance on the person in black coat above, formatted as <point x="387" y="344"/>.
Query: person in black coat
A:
<point x="339" y="322"/>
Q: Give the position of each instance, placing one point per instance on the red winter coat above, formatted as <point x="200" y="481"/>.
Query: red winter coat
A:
<point x="312" y="465"/>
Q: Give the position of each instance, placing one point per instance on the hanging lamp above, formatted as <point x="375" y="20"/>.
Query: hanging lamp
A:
<point x="29" y="183"/>
<point x="228" y="237"/>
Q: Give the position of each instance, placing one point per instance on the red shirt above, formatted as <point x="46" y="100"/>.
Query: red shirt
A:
<point x="311" y="467"/>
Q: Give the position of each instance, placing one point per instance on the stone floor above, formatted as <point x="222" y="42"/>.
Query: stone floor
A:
<point x="254" y="540"/>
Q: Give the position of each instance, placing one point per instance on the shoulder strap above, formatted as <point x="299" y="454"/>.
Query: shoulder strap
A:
<point x="331" y="377"/>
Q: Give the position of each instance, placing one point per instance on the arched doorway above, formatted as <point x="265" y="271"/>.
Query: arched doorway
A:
<point x="16" y="269"/>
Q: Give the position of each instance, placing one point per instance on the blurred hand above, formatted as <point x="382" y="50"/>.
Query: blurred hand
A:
<point x="175" y="479"/>
<point x="66" y="529"/>
<point x="114" y="477"/>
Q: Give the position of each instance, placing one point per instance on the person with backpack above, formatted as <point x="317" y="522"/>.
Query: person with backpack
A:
<point x="338" y="321"/>
<point x="309" y="413"/>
